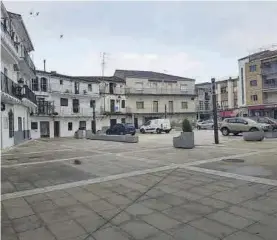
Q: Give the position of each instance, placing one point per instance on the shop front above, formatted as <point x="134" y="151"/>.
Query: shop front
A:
<point x="263" y="111"/>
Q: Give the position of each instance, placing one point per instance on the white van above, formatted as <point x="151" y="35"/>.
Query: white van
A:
<point x="156" y="125"/>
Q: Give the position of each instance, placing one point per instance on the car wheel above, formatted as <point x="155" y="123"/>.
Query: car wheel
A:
<point x="254" y="129"/>
<point x="158" y="131"/>
<point x="142" y="130"/>
<point x="225" y="131"/>
<point x="167" y="131"/>
<point x="198" y="127"/>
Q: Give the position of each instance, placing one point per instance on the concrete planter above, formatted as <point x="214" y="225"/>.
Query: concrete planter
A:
<point x="253" y="136"/>
<point x="185" y="140"/>
<point x="114" y="138"/>
<point x="272" y="134"/>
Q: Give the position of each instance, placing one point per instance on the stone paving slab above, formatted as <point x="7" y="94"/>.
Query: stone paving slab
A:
<point x="90" y="210"/>
<point x="170" y="203"/>
<point x="259" y="165"/>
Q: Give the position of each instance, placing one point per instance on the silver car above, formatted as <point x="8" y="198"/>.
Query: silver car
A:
<point x="209" y="124"/>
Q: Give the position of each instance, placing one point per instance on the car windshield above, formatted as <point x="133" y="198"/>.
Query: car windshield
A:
<point x="129" y="125"/>
<point x="147" y="123"/>
<point x="272" y="120"/>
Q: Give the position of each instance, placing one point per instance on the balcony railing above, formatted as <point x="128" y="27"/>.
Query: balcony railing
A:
<point x="159" y="91"/>
<point x="10" y="87"/>
<point x="29" y="94"/>
<point x="107" y="90"/>
<point x="45" y="107"/>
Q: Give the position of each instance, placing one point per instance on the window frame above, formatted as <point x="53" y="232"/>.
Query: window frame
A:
<point x="185" y="104"/>
<point x="91" y="103"/>
<point x="123" y="103"/>
<point x="89" y="87"/>
<point x="70" y="126"/>
<point x="142" y="104"/>
<point x="34" y="125"/>
<point x="63" y="105"/>
<point x="253" y="85"/>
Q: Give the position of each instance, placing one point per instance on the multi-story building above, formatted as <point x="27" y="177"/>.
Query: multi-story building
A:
<point x="65" y="104"/>
<point x="156" y="95"/>
<point x="112" y="101"/>
<point x="258" y="84"/>
<point x="203" y="101"/>
<point x="227" y="97"/>
<point x="17" y="70"/>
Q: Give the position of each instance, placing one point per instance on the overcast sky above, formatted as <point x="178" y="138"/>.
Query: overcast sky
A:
<point x="191" y="39"/>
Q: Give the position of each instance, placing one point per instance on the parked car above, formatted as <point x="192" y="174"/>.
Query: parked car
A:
<point x="267" y="120"/>
<point x="156" y="126"/>
<point x="239" y="124"/>
<point x="121" y="129"/>
<point x="209" y="124"/>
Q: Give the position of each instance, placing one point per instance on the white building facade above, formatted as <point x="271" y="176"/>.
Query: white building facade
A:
<point x="17" y="71"/>
<point x="65" y="104"/>
<point x="152" y="95"/>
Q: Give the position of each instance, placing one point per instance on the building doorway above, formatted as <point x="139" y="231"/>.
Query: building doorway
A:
<point x="56" y="128"/>
<point x="136" y="123"/>
<point x="112" y="122"/>
<point x="44" y="129"/>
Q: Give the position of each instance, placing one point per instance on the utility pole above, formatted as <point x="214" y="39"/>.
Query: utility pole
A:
<point x="165" y="112"/>
<point x="215" y="112"/>
<point x="103" y="63"/>
<point x="94" y="118"/>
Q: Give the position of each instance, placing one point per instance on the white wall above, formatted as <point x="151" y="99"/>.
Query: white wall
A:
<point x="241" y="64"/>
<point x="162" y="101"/>
<point x="6" y="140"/>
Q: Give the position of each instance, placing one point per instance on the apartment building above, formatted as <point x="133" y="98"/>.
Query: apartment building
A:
<point x="227" y="97"/>
<point x="152" y="95"/>
<point x="258" y="84"/>
<point x="65" y="104"/>
<point x="17" y="71"/>
<point x="204" y="105"/>
<point x="112" y="101"/>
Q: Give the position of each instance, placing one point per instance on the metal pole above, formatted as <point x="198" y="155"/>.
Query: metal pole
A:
<point x="44" y="65"/>
<point x="94" y="118"/>
<point x="216" y="141"/>
<point x="165" y="112"/>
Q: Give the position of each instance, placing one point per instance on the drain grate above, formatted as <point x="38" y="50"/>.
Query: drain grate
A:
<point x="233" y="160"/>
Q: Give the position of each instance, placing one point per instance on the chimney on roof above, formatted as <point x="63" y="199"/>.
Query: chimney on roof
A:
<point x="44" y="65"/>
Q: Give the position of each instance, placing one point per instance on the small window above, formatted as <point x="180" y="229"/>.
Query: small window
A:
<point x="252" y="68"/>
<point x="43" y="84"/>
<point x="123" y="104"/>
<point x="231" y="120"/>
<point x="82" y="125"/>
<point x="64" y="102"/>
<point x="253" y="83"/>
<point x="34" y="125"/>
<point x="89" y="87"/>
<point x="254" y="97"/>
<point x="123" y="120"/>
<point x="140" y="105"/>
<point x="35" y="84"/>
<point x="61" y="82"/>
<point x="70" y="126"/>
<point x="92" y="103"/>
<point x="184" y="105"/>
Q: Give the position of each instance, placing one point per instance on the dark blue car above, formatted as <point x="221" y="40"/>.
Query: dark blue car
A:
<point x="122" y="129"/>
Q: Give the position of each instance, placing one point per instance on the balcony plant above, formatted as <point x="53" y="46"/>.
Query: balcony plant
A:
<point x="186" y="138"/>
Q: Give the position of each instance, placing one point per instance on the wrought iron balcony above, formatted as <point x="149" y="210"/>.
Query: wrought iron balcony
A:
<point x="10" y="87"/>
<point x="29" y="94"/>
<point x="45" y="107"/>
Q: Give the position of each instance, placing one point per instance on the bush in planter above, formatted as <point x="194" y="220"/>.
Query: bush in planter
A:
<point x="186" y="127"/>
<point x="186" y="138"/>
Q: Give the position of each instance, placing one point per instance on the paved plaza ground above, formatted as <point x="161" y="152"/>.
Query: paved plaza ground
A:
<point x="147" y="190"/>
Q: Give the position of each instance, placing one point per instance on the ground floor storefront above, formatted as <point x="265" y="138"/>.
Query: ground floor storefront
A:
<point x="263" y="111"/>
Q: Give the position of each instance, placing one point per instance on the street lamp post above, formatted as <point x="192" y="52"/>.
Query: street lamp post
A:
<point x="216" y="141"/>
